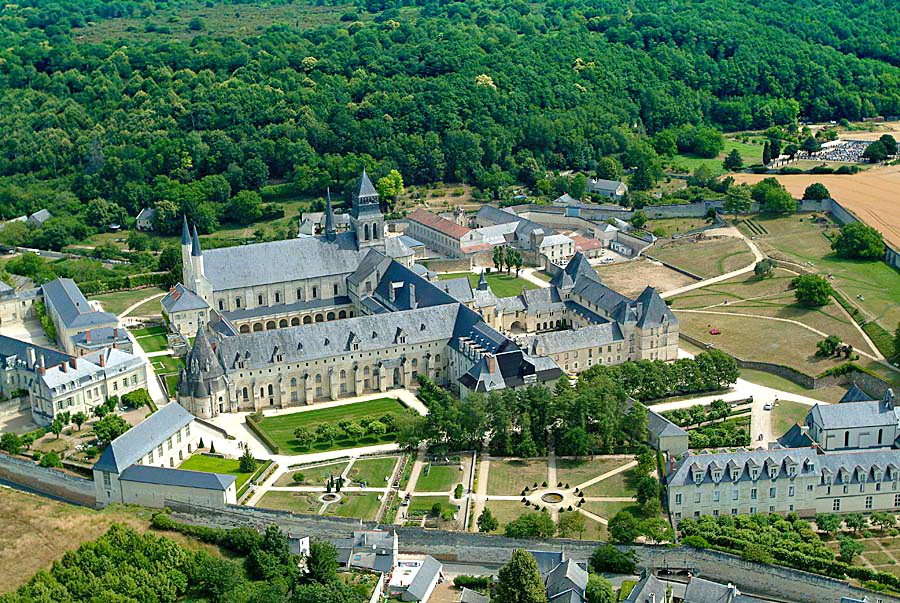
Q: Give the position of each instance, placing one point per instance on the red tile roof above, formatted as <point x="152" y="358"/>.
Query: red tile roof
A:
<point x="584" y="243"/>
<point x="442" y="225"/>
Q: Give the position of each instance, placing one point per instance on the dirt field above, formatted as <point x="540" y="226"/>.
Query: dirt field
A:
<point x="630" y="278"/>
<point x="705" y="258"/>
<point x="871" y="195"/>
<point x="36" y="531"/>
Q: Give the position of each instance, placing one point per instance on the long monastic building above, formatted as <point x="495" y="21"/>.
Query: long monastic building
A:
<point x="317" y="318"/>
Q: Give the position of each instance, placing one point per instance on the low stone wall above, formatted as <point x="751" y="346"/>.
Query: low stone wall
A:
<point x="450" y="265"/>
<point x="44" y="480"/>
<point x="675" y="268"/>
<point x="773" y="581"/>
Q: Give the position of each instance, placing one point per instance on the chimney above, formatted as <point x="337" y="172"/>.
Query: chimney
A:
<point x="74" y="363"/>
<point x="413" y="304"/>
<point x="43" y="362"/>
<point x="87" y="336"/>
<point x="491" y="362"/>
<point x="64" y="367"/>
<point x="41" y="370"/>
<point x="115" y="332"/>
<point x="392" y="292"/>
<point x="102" y="358"/>
<point x="31" y="356"/>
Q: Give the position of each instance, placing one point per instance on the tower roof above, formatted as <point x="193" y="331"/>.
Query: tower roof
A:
<point x="482" y="282"/>
<point x="185" y="233"/>
<point x="365" y="197"/>
<point x="364" y="187"/>
<point x="195" y="244"/>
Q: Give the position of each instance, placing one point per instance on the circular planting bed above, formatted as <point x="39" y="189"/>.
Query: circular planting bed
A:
<point x="552" y="497"/>
<point x="329" y="497"/>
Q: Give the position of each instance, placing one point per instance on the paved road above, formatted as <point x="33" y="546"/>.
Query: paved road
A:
<point x="528" y="275"/>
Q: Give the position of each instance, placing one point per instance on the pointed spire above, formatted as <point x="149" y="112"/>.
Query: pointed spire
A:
<point x="185" y="233"/>
<point x="482" y="282"/>
<point x="195" y="244"/>
<point x="329" y="218"/>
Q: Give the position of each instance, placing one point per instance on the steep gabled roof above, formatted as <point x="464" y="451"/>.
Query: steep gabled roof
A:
<point x="129" y="447"/>
<point x="855" y="394"/>
<point x="164" y="476"/>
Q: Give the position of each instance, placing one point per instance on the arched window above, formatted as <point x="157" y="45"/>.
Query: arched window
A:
<point x="246" y="393"/>
<point x="343" y="374"/>
<point x="342" y="314"/>
<point x="318" y="378"/>
<point x="262" y="392"/>
<point x="270" y="389"/>
<point x="293" y="382"/>
<point x="277" y="297"/>
<point x="846" y="439"/>
<point x="415" y="362"/>
<point x="330" y="316"/>
<point x="366" y="230"/>
<point x="437" y="358"/>
<point x="237" y="302"/>
<point x="375" y="230"/>
<point x="295" y="322"/>
<point x="307" y="319"/>
<point x="300" y="294"/>
<point x="282" y="323"/>
<point x="320" y="318"/>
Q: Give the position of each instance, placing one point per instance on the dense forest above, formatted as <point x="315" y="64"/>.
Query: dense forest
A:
<point x="479" y="91"/>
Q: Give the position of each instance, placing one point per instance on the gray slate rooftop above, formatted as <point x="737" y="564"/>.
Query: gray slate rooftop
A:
<point x="182" y="299"/>
<point x="73" y="307"/>
<point x="164" y="476"/>
<point x="128" y="448"/>
<point x="848" y="416"/>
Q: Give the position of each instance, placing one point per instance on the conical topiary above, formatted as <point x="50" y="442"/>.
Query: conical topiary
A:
<point x="212" y="447"/>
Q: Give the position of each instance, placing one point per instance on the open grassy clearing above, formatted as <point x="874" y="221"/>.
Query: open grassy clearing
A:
<point x="502" y="284"/>
<point x="786" y="413"/>
<point x="281" y="428"/>
<point x="706" y="258"/>
<point x="153" y="343"/>
<point x="167" y="364"/>
<point x="313" y="475"/>
<point x="574" y="472"/>
<point x="151" y="307"/>
<point x="506" y="511"/>
<point x="632" y="277"/>
<point x="120" y="300"/>
<point x="37" y="531"/>
<point x="510" y="477"/>
<point x="356" y="504"/>
<point x="374" y="472"/>
<point x="424" y="503"/>
<point x="750" y="152"/>
<point x="440" y="478"/>
<point x="618" y="485"/>
<point x="799" y="239"/>
<point x="608" y="510"/>
<point x="832" y="393"/>
<point x="304" y="503"/>
<point x="212" y="464"/>
<point x="672" y="226"/>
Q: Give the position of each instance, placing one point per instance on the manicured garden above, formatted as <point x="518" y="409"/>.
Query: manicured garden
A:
<point x="502" y="284"/>
<point x="786" y="413"/>
<point x="578" y="471"/>
<point x="312" y="475"/>
<point x="305" y="503"/>
<point x="322" y="426"/>
<point x="374" y="472"/>
<point x="509" y="477"/>
<point x="356" y="504"/>
<point x="439" y="478"/>
<point x="213" y="464"/>
<point x="151" y="339"/>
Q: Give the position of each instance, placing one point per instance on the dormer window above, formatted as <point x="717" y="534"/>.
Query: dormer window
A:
<point x="735" y="474"/>
<point x="754" y="473"/>
<point x="717" y="475"/>
<point x="792" y="471"/>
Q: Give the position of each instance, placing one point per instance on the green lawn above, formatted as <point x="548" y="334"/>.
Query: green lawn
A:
<point x="574" y="472"/>
<point x="358" y="505"/>
<point x="306" y="503"/>
<point x="159" y="330"/>
<point x="785" y="414"/>
<point x="505" y="511"/>
<point x="373" y="471"/>
<point x="502" y="284"/>
<point x="750" y="153"/>
<point x="620" y="484"/>
<point x="608" y="510"/>
<point x="211" y="464"/>
<point x="167" y="364"/>
<point x="832" y="393"/>
<point x="440" y="478"/>
<point x="153" y="343"/>
<point x="510" y="477"/>
<point x="315" y="475"/>
<point x="120" y="300"/>
<point x="281" y="428"/>
<point x="424" y="503"/>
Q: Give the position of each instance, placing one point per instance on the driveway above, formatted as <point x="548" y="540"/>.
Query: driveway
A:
<point x="30" y="331"/>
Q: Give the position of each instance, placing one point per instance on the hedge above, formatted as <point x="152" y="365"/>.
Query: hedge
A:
<point x="252" y="423"/>
<point x="472" y="582"/>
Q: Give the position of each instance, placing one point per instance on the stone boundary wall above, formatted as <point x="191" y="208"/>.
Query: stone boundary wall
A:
<point x="45" y="480"/>
<point x="768" y="580"/>
<point x="450" y="265"/>
<point x="675" y="268"/>
<point x="870" y="384"/>
<point x="14" y="405"/>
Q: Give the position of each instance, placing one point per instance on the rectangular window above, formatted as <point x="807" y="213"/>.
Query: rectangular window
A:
<point x="716" y="496"/>
<point x="868" y="502"/>
<point x="159" y="450"/>
<point x="735" y="494"/>
<point x="178" y="437"/>
<point x="150" y="458"/>
<point x="678" y="498"/>
<point x="752" y="510"/>
<point x="753" y="494"/>
<point x="836" y="504"/>
<point x="772" y="492"/>
<point x="897" y="500"/>
<point x="734" y="511"/>
<point x="187" y="430"/>
<point x="790" y="490"/>
<point x="106" y="483"/>
<point x="697" y="497"/>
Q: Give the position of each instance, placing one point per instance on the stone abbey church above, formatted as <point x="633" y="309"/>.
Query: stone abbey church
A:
<point x="317" y="318"/>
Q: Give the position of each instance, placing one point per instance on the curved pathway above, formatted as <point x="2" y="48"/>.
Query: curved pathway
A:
<point x="130" y="308"/>
<point x="733" y="232"/>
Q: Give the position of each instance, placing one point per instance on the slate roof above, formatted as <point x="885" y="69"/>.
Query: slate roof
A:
<point x="16" y="350"/>
<point x="796" y="437"/>
<point x="40" y="216"/>
<point x="435" y="222"/>
<point x="72" y="306"/>
<point x="146" y="214"/>
<point x="428" y="573"/>
<point x="547" y="561"/>
<point x="496" y="215"/>
<point x="652" y="311"/>
<point x="472" y="596"/>
<point x="129" y="447"/>
<point x="855" y="394"/>
<point x="101" y="337"/>
<point x="164" y="476"/>
<point x="459" y="289"/>
<point x="871" y="413"/>
<point x="280" y="261"/>
<point x="396" y="248"/>
<point x="650" y="589"/>
<point x="543" y="299"/>
<point x="599" y="184"/>
<point x="182" y="299"/>
<point x="555" y="342"/>
<point x="554" y="239"/>
<point x="411" y="242"/>
<point x="660" y="426"/>
<point x="4" y="288"/>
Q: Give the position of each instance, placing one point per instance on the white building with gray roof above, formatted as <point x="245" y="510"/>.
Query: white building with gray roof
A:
<point x="72" y="314"/>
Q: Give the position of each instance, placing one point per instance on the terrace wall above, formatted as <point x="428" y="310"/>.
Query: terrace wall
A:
<point x="52" y="482"/>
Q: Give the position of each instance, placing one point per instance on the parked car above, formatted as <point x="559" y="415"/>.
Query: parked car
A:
<point x="767" y="406"/>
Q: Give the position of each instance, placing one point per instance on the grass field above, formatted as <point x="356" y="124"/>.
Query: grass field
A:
<point x="151" y="339"/>
<point x="120" y="300"/>
<point x="798" y="239"/>
<point x="751" y="153"/>
<point x="786" y="413"/>
<point x="608" y="510"/>
<point x="440" y="478"/>
<point x="832" y="393"/>
<point x="510" y="477"/>
<point x="506" y="511"/>
<point x="281" y="428"/>
<point x="424" y="503"/>
<point x="502" y="284"/>
<point x="620" y="484"/>
<point x="574" y="472"/>
<point x="211" y="464"/>
<point x="356" y="504"/>
<point x="312" y="476"/>
<point x="374" y="472"/>
<point x="296" y="502"/>
<point x="706" y="258"/>
<point x="37" y="531"/>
